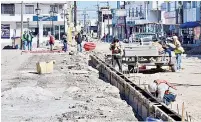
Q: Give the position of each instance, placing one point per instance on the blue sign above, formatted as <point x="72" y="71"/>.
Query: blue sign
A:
<point x="130" y="23"/>
<point x="5" y="31"/>
<point x="45" y="18"/>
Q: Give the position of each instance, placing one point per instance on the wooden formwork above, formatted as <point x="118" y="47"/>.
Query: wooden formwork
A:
<point x="143" y="104"/>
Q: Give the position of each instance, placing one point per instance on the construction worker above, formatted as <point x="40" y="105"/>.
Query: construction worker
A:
<point x="65" y="42"/>
<point x="51" y="41"/>
<point x="163" y="91"/>
<point x="178" y="51"/>
<point x="115" y="47"/>
<point x="29" y="41"/>
<point x="78" y="39"/>
<point x="24" y="40"/>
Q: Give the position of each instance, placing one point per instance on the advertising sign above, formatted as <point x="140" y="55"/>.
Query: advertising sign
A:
<point x="44" y="18"/>
<point x="120" y="12"/>
<point x="197" y="33"/>
<point x="5" y="31"/>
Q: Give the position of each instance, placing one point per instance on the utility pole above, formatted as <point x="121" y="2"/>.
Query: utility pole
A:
<point x="125" y="20"/>
<point x="98" y="29"/>
<point x="84" y="14"/>
<point x="21" y="24"/>
<point x="157" y="25"/>
<point x="75" y="14"/>
<point x="108" y="17"/>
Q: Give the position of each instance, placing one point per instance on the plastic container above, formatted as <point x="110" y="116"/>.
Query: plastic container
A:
<point x="88" y="46"/>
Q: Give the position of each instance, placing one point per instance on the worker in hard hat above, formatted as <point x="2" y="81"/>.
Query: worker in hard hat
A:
<point x="163" y="91"/>
<point x="115" y="47"/>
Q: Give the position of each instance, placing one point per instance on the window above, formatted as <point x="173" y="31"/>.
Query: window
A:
<point x="7" y="9"/>
<point x="129" y="14"/>
<point x="29" y="9"/>
<point x="54" y="8"/>
<point x="168" y="6"/>
<point x="133" y="12"/>
<point x="136" y="15"/>
<point x="194" y="4"/>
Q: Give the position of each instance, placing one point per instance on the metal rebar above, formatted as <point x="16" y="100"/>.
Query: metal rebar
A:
<point x="177" y="108"/>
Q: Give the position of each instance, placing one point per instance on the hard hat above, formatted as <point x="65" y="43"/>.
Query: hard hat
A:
<point x="152" y="87"/>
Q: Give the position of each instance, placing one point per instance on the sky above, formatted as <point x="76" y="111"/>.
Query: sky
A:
<point x="91" y="5"/>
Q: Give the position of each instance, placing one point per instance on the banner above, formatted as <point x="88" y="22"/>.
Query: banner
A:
<point x="197" y="33"/>
<point x="5" y="31"/>
<point x="45" y="18"/>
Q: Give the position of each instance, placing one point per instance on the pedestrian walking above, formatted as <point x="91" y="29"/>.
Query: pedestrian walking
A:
<point x="178" y="51"/>
<point x="51" y="41"/>
<point x="78" y="39"/>
<point x="29" y="42"/>
<point x="24" y="40"/>
<point x="115" y="47"/>
<point x="65" y="43"/>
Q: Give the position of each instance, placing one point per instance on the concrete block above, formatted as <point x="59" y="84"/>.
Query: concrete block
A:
<point x="44" y="67"/>
<point x="144" y="112"/>
<point x="127" y="92"/>
<point x="135" y="100"/>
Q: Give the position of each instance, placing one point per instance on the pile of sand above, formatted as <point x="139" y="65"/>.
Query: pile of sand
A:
<point x="27" y="93"/>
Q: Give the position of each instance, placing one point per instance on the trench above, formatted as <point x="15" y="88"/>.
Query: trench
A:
<point x="144" y="104"/>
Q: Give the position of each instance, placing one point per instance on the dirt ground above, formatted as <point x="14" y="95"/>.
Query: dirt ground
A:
<point x="187" y="82"/>
<point x="73" y="92"/>
<point x="67" y="95"/>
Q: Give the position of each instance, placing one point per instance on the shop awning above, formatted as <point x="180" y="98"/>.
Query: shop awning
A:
<point x="189" y="25"/>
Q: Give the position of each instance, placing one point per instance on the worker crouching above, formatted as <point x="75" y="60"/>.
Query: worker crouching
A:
<point x="115" y="47"/>
<point x="163" y="91"/>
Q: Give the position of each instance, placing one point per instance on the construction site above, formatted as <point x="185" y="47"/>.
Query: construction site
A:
<point x="83" y="87"/>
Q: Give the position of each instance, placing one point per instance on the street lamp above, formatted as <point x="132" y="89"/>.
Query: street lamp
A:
<point x="52" y="14"/>
<point x="28" y="19"/>
<point x="64" y="15"/>
<point x="37" y="10"/>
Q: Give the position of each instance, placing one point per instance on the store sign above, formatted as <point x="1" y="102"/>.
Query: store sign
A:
<point x="171" y="14"/>
<point x="170" y="21"/>
<point x="131" y="23"/>
<point x="5" y="31"/>
<point x="120" y="12"/>
<point x="44" y="18"/>
<point x="197" y="33"/>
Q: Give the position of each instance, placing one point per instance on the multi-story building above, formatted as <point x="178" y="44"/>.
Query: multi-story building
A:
<point x="178" y="14"/>
<point x="105" y="21"/>
<point x="141" y="16"/>
<point x="11" y="19"/>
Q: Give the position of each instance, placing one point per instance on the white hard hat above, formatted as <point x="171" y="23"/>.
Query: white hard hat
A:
<point x="152" y="87"/>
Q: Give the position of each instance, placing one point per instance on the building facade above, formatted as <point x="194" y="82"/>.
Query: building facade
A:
<point x="11" y="18"/>
<point x="105" y="22"/>
<point x="140" y="16"/>
<point x="177" y="13"/>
